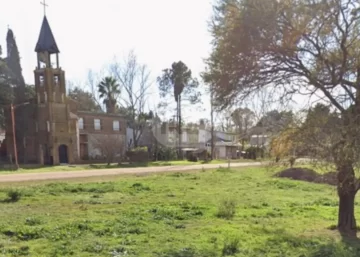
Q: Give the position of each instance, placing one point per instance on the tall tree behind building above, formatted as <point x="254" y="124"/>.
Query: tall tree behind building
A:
<point x="13" y="62"/>
<point x="18" y="84"/>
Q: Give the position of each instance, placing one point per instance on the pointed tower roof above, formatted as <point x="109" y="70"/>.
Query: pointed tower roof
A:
<point x="46" y="41"/>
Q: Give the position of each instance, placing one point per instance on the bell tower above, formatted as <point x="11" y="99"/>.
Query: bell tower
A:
<point x="55" y="127"/>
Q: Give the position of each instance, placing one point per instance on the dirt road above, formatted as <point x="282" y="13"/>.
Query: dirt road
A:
<point x="111" y="172"/>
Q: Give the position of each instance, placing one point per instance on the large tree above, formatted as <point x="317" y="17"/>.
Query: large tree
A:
<point x="109" y="91"/>
<point x="85" y="100"/>
<point x="13" y="62"/>
<point x="274" y="121"/>
<point x="20" y="93"/>
<point x="291" y="46"/>
<point x="6" y="95"/>
<point x="243" y="119"/>
<point x="134" y="79"/>
<point x="180" y="84"/>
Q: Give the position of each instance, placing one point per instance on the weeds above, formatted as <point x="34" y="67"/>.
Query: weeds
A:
<point x="226" y="209"/>
<point x="13" y="195"/>
<point x="231" y="246"/>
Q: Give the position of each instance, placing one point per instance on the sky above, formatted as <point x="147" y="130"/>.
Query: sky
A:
<point x="90" y="34"/>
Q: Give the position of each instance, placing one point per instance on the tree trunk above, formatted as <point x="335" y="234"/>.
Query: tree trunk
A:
<point x="212" y="126"/>
<point x="135" y="139"/>
<point x="212" y="137"/>
<point x="180" y="132"/>
<point x="346" y="191"/>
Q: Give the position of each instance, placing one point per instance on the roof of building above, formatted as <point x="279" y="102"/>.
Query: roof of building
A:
<point x="101" y="114"/>
<point x="46" y="41"/>
<point x="219" y="139"/>
<point x="73" y="116"/>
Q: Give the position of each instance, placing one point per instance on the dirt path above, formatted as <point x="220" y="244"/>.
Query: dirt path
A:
<point x="111" y="172"/>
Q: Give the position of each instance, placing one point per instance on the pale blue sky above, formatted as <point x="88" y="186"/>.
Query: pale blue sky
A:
<point x="90" y="33"/>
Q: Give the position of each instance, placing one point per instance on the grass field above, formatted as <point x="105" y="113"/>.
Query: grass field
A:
<point x="36" y="169"/>
<point x="208" y="213"/>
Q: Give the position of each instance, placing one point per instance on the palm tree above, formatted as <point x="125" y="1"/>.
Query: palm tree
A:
<point x="180" y="80"/>
<point x="109" y="91"/>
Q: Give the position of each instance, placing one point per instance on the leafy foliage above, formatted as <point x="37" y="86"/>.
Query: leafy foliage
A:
<point x="275" y="121"/>
<point x="84" y="99"/>
<point x="109" y="90"/>
<point x="179" y="80"/>
<point x="13" y="62"/>
<point x="283" y="144"/>
<point x="243" y="118"/>
<point x="6" y="93"/>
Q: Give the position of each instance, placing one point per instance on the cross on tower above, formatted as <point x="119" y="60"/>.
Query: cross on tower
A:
<point x="45" y="5"/>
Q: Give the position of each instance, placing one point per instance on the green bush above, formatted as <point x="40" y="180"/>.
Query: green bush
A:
<point x="13" y="195"/>
<point x="227" y="209"/>
<point x="138" y="154"/>
<point x="192" y="158"/>
<point x="139" y="149"/>
<point x="165" y="154"/>
<point x="254" y="152"/>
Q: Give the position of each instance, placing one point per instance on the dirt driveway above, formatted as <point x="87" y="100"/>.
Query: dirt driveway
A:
<point x="20" y="177"/>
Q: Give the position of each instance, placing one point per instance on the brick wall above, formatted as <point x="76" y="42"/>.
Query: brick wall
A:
<point x="89" y="137"/>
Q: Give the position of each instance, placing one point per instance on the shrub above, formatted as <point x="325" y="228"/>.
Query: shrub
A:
<point x="138" y="154"/>
<point x="192" y="158"/>
<point x="254" y="152"/>
<point x="165" y="153"/>
<point x="227" y="209"/>
<point x="292" y="161"/>
<point x="13" y="195"/>
<point x="231" y="246"/>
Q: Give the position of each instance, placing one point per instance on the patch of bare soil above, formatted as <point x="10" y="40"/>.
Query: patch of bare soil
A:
<point x="308" y="175"/>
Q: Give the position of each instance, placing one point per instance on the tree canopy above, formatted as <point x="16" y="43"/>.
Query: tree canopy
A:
<point x="84" y="99"/>
<point x="292" y="46"/>
<point x="109" y="90"/>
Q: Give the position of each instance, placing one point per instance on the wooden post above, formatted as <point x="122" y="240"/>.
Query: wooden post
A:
<point x="14" y="136"/>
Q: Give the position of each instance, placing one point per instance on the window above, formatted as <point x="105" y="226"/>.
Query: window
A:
<point x="42" y="80"/>
<point x="62" y="98"/>
<point x="48" y="126"/>
<point x="97" y="124"/>
<point x="81" y="123"/>
<point x="36" y="127"/>
<point x="116" y="125"/>
<point x="45" y="97"/>
<point x="56" y="80"/>
<point x="38" y="97"/>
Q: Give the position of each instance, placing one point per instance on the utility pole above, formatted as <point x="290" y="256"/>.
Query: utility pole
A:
<point x="12" y="110"/>
<point x="180" y="128"/>
<point x="14" y="136"/>
<point x="212" y="124"/>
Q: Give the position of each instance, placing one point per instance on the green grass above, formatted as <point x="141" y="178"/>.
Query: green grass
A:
<point x="173" y="215"/>
<point x="36" y="169"/>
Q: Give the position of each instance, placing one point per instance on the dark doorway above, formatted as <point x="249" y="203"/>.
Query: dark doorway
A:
<point x="63" y="154"/>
